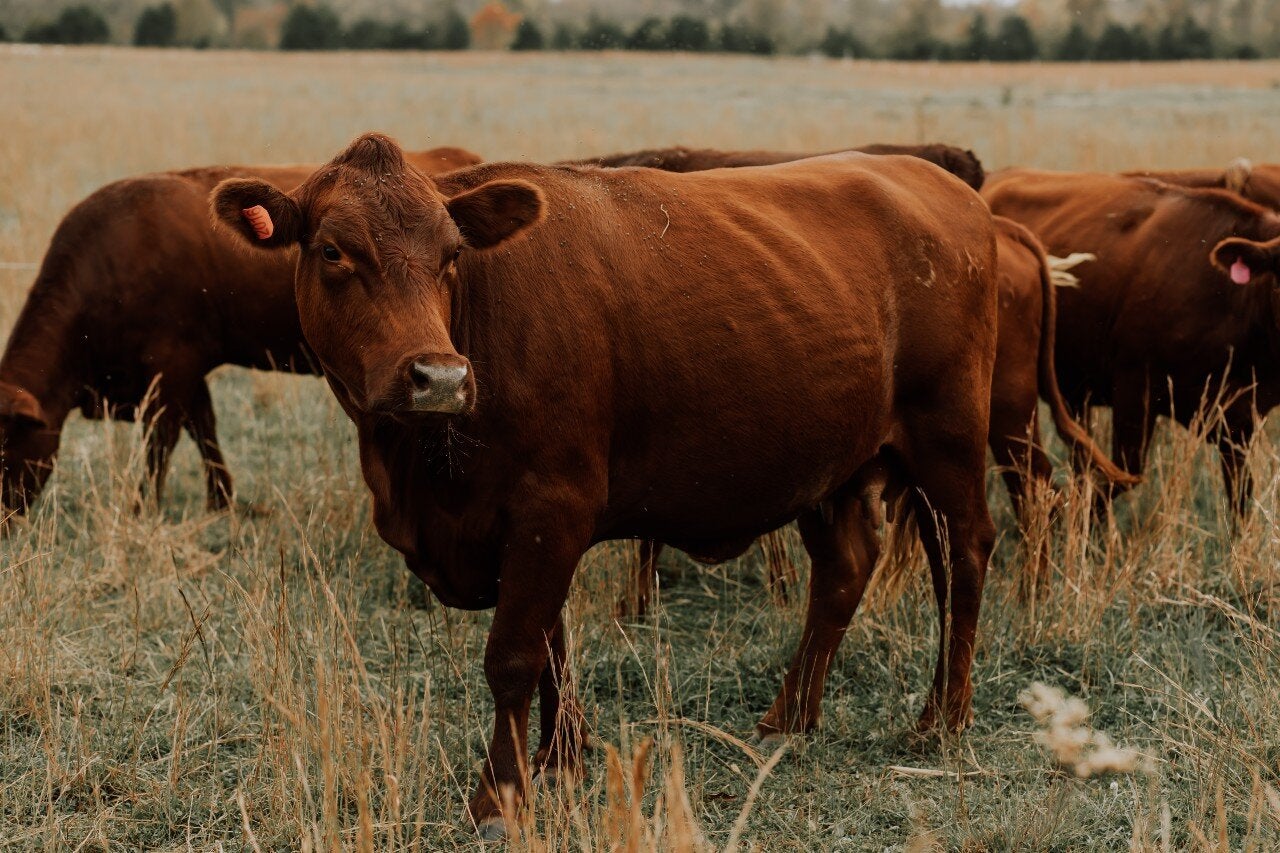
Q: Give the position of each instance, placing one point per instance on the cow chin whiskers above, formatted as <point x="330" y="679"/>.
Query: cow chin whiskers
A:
<point x="444" y="448"/>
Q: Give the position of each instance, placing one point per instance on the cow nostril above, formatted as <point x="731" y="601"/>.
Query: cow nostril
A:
<point x="420" y="374"/>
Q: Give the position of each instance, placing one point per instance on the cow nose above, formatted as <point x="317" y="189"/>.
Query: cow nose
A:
<point x="439" y="387"/>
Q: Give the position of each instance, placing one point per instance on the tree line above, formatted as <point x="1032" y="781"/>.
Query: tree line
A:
<point x="1006" y="38"/>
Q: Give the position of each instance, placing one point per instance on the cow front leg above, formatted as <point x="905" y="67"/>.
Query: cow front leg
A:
<point x="537" y="568"/>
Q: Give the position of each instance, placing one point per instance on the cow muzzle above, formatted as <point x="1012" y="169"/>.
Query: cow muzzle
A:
<point x="440" y="383"/>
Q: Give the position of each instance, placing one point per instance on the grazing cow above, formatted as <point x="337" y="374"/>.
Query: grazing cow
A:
<point x="138" y="290"/>
<point x="959" y="162"/>
<point x="1179" y="310"/>
<point x="539" y="358"/>
<point x="1258" y="183"/>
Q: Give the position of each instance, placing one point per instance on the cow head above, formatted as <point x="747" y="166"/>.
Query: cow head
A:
<point x="1247" y="261"/>
<point x="377" y="269"/>
<point x="28" y="444"/>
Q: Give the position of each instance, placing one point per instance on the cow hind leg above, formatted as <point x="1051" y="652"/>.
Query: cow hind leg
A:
<point x="1233" y="448"/>
<point x="1016" y="444"/>
<point x="634" y="602"/>
<point x="843" y="551"/>
<point x="161" y="435"/>
<point x="563" y="732"/>
<point x="956" y="531"/>
<point x="202" y="427"/>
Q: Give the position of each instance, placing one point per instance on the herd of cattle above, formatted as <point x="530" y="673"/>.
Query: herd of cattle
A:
<point x="685" y="347"/>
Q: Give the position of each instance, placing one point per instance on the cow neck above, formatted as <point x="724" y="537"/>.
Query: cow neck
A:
<point x="39" y="355"/>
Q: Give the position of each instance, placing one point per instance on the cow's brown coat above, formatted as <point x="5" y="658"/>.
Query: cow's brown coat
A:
<point x="696" y="359"/>
<point x="958" y="161"/>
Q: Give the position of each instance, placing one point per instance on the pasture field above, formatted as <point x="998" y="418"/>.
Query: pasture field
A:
<point x="274" y="680"/>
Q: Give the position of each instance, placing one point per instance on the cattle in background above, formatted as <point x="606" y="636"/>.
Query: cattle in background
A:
<point x="1180" y="308"/>
<point x="138" y="297"/>
<point x="1259" y="183"/>
<point x="958" y="161"/>
<point x="539" y="358"/>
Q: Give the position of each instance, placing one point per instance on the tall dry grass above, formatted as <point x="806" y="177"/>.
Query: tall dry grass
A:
<point x="274" y="679"/>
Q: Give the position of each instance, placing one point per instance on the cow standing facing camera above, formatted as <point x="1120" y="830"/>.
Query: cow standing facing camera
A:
<point x="540" y="358"/>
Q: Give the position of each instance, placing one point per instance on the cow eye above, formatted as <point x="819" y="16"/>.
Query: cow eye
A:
<point x="330" y="253"/>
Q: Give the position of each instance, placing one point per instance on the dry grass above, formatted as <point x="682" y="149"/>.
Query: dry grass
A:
<point x="277" y="682"/>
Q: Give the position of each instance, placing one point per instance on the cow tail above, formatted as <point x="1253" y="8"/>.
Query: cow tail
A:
<point x="1086" y="451"/>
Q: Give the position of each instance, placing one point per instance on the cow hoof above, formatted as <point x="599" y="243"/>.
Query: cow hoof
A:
<point x="772" y="741"/>
<point x="492" y="829"/>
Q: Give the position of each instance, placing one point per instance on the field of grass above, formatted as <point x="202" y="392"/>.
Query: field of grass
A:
<point x="277" y="681"/>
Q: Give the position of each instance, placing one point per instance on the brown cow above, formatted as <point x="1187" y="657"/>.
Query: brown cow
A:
<point x="136" y="285"/>
<point x="1180" y="307"/>
<point x="1259" y="184"/>
<point x="539" y="358"/>
<point x="959" y="162"/>
<point x="1024" y="358"/>
<point x="1024" y="374"/>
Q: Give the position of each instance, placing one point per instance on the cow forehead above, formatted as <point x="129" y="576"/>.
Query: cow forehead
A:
<point x="386" y="210"/>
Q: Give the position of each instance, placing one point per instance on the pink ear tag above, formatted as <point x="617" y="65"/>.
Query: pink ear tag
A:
<point x="1240" y="272"/>
<point x="260" y="220"/>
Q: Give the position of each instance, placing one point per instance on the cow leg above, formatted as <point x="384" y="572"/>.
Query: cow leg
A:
<point x="537" y="567"/>
<point x="202" y="427"/>
<point x="562" y="735"/>
<point x="1014" y="438"/>
<point x="948" y="470"/>
<point x="1015" y="443"/>
<point x="1233" y="447"/>
<point x="843" y="553"/>
<point x="1132" y="423"/>
<point x="162" y="432"/>
<point x="634" y="603"/>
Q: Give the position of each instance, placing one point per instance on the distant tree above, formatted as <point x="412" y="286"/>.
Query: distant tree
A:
<point x="157" y="26"/>
<point x="1076" y="46"/>
<point x="686" y="32"/>
<point x="76" y="25"/>
<point x="1014" y="41"/>
<point x="914" y="44"/>
<point x="838" y="43"/>
<point x="565" y="37"/>
<point x="454" y="32"/>
<point x="649" y="34"/>
<point x="368" y="34"/>
<point x="4" y="34"/>
<point x="528" y="36"/>
<point x="1242" y="51"/>
<point x="311" y="28"/>
<point x="602" y="35"/>
<point x="493" y="27"/>
<point x="977" y="42"/>
<point x="1197" y="41"/>
<point x="742" y="38"/>
<point x="1140" y="44"/>
<point x="1115" y="44"/>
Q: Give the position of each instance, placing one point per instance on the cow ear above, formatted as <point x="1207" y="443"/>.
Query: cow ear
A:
<point x="257" y="211"/>
<point x="21" y="405"/>
<point x="1244" y="260"/>
<point x="496" y="211"/>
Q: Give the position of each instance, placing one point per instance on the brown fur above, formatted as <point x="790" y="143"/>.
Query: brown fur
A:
<point x="136" y="286"/>
<point x="959" y="162"/>
<point x="1156" y="326"/>
<point x="1259" y="183"/>
<point x="773" y="341"/>
<point x="1024" y="360"/>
